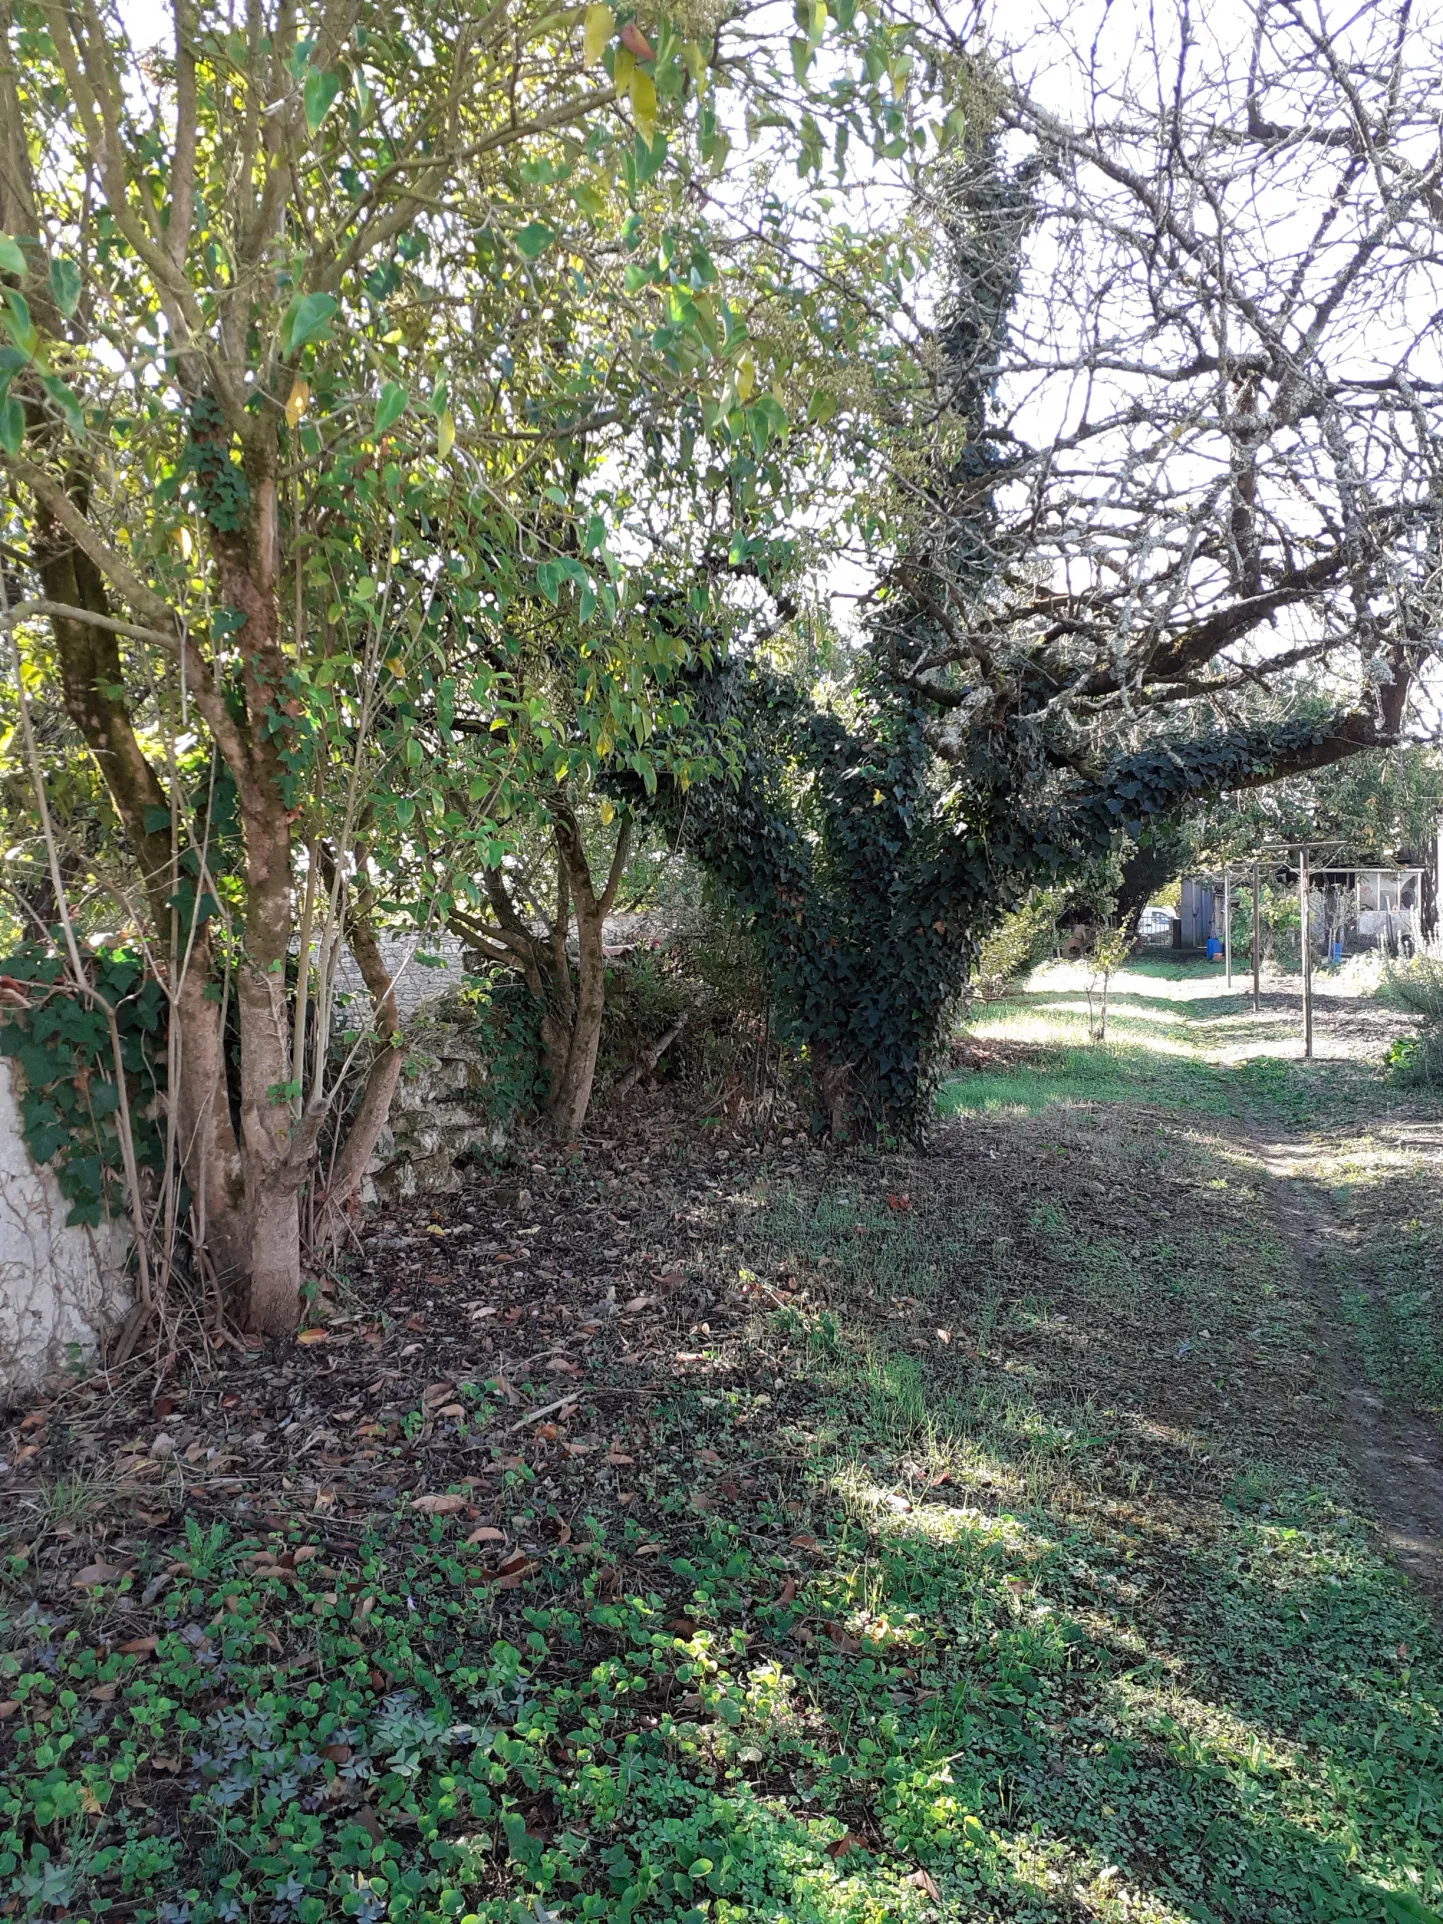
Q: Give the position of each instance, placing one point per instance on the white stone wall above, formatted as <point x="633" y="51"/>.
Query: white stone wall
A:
<point x="61" y="1290"/>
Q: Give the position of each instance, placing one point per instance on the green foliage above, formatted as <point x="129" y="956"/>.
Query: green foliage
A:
<point x="1417" y="986"/>
<point x="61" y="1042"/>
<point x="1025" y="936"/>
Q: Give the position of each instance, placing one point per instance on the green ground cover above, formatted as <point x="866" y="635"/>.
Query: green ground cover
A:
<point x="971" y="1541"/>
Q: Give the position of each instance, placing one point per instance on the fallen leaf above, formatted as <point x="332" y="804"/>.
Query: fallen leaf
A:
<point x="707" y="1456"/>
<point x="172" y="1765"/>
<point x="647" y="1549"/>
<point x="95" y="1573"/>
<point x="370" y="1823"/>
<point x="844" y="1846"/>
<point x="639" y="1303"/>
<point x="9" y="1707"/>
<point x="488" y="1533"/>
<point x="101" y="1693"/>
<point x="435" y="1393"/>
<point x="923" y="1881"/>
<point x="443" y="1505"/>
<point x="804" y="1540"/>
<point x="617" y="1457"/>
<point x="138" y="1646"/>
<point x="452" y="1410"/>
<point x="309" y="1336"/>
<point x="788" y="1590"/>
<point x="547" y="1433"/>
<point x="847" y="1641"/>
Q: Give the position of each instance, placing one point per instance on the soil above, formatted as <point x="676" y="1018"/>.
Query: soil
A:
<point x="1396" y="1457"/>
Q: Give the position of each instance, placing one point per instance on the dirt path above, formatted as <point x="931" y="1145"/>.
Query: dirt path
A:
<point x="1397" y="1458"/>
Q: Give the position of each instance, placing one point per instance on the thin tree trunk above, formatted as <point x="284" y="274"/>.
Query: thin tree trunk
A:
<point x="571" y="1095"/>
<point x="381" y="1079"/>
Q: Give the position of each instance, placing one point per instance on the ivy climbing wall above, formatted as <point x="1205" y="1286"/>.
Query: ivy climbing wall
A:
<point x="61" y="1289"/>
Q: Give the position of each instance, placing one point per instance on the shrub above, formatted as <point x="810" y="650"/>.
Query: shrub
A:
<point x="1417" y="987"/>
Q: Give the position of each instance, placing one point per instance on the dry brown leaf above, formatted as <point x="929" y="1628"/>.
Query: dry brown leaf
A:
<point x="138" y="1647"/>
<point x="313" y="1336"/>
<point x="487" y="1533"/>
<point x="804" y="1540"/>
<point x="923" y="1881"/>
<point x="844" y="1846"/>
<point x="445" y="1504"/>
<point x="95" y="1573"/>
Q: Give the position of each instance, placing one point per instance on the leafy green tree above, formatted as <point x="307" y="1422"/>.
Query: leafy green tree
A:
<point x="313" y="319"/>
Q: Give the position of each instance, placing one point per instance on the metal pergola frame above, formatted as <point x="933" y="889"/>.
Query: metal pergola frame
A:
<point x="1295" y="854"/>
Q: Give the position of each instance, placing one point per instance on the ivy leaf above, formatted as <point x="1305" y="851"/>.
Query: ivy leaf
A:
<point x="12" y="261"/>
<point x="21" y="328"/>
<point x="643" y="102"/>
<point x="306" y="319"/>
<point x="321" y="90"/>
<point x="649" y="153"/>
<point x="65" y="286"/>
<point x="12" y="425"/>
<point x="66" y="400"/>
<point x="391" y="407"/>
<point x="600" y="21"/>
<point x="533" y="240"/>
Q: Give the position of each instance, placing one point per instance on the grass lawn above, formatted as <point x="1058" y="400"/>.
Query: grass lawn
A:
<point x="704" y="1534"/>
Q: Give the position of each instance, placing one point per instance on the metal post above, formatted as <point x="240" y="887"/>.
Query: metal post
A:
<point x="1257" y="945"/>
<point x="1305" y="935"/>
<point x="1227" y="929"/>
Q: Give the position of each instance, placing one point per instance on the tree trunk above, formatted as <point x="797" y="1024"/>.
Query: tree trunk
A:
<point x="571" y="1095"/>
<point x="209" y="1154"/>
<point x="836" y="1090"/>
<point x="571" y="1092"/>
<point x="382" y="1077"/>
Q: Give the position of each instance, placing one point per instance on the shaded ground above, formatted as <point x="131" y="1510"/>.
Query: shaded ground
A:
<point x="668" y="1531"/>
<point x="1395" y="1453"/>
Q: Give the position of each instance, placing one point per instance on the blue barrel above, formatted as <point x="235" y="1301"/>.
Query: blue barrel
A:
<point x="1336" y="952"/>
<point x="1215" y="948"/>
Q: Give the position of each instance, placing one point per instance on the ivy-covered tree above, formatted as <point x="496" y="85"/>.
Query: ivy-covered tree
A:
<point x="1145" y="513"/>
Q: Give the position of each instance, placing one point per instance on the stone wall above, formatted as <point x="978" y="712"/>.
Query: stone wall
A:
<point x="61" y="1290"/>
<point x="439" y="1117"/>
